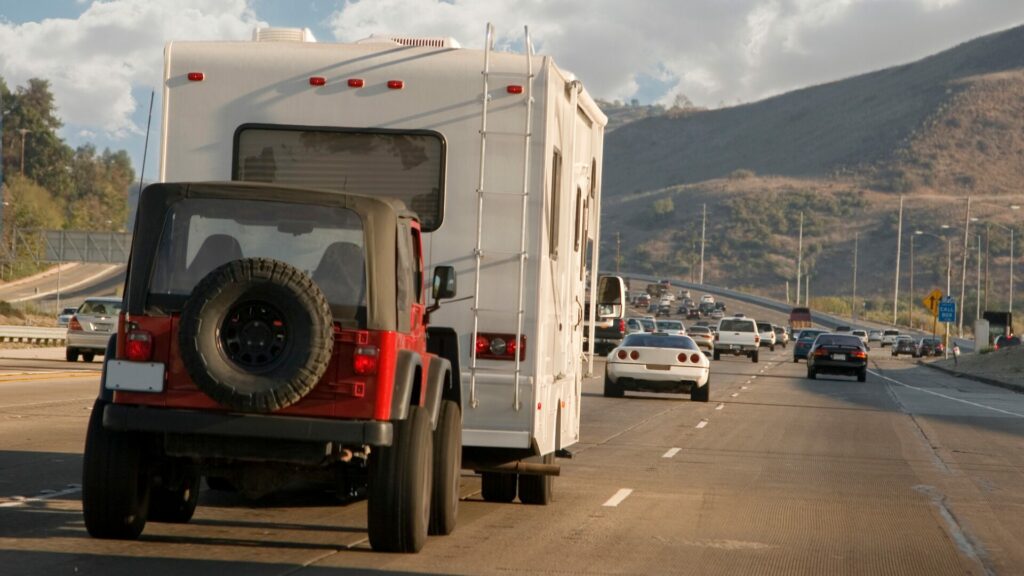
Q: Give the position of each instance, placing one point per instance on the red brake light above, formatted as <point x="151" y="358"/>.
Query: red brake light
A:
<point x="859" y="354"/>
<point x="821" y="352"/>
<point x="364" y="361"/>
<point x="622" y="354"/>
<point x="634" y="355"/>
<point x="695" y="358"/>
<point x="716" y="336"/>
<point x="756" y="338"/>
<point x="396" y="84"/>
<point x="622" y="326"/>
<point x="681" y="357"/>
<point x="74" y="324"/>
<point x="500" y="346"/>
<point x="140" y="346"/>
<point x="356" y="83"/>
<point x="514" y="89"/>
<point x="317" y="81"/>
<point x="196" y="76"/>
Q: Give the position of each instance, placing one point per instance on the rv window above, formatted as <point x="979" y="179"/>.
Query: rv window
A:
<point x="401" y="165"/>
<point x="556" y="201"/>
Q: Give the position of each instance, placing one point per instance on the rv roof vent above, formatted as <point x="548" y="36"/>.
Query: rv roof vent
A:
<point x="282" y="35"/>
<point x="435" y="42"/>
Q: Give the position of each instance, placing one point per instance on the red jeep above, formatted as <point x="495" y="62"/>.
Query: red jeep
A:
<point x="271" y="333"/>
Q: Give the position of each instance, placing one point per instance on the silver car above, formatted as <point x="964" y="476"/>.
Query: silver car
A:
<point x="65" y="316"/>
<point x="91" y="327"/>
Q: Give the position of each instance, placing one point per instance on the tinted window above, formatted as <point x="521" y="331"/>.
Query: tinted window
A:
<point x="653" y="341"/>
<point x="732" y="325"/>
<point x="764" y="327"/>
<point x="837" y="340"/>
<point x="670" y="325"/>
<point x="699" y="330"/>
<point x="99" y="308"/>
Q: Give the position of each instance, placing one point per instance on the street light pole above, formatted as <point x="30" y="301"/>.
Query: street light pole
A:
<point x="853" y="304"/>
<point x="703" y="226"/>
<point x="896" y="290"/>
<point x="963" y="275"/>
<point x="910" y="308"/>
<point x="799" y="258"/>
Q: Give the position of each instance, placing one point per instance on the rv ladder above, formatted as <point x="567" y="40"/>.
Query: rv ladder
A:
<point x="482" y="193"/>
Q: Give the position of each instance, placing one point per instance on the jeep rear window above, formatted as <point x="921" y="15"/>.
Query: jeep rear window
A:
<point x="201" y="234"/>
<point x="407" y="166"/>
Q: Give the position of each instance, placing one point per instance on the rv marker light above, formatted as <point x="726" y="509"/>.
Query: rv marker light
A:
<point x="317" y="81"/>
<point x="396" y="84"/>
<point x="514" y="89"/>
<point x="196" y="76"/>
<point x="356" y="83"/>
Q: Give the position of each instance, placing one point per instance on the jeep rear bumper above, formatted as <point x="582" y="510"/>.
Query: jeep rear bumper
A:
<point x="146" y="419"/>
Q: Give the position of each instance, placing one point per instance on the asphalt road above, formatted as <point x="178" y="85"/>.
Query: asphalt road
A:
<point x="912" y="472"/>
<point x="76" y="282"/>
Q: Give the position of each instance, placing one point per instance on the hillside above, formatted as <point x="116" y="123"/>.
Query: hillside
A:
<point x="935" y="130"/>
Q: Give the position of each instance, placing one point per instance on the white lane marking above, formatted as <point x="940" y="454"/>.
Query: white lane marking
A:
<point x="753" y="377"/>
<point x="1001" y="411"/>
<point x="621" y="495"/>
<point x="720" y="406"/>
<point x="48" y="494"/>
<point x="671" y="452"/>
<point x="735" y="394"/>
<point x="702" y="423"/>
<point x="743" y="387"/>
<point x="65" y="401"/>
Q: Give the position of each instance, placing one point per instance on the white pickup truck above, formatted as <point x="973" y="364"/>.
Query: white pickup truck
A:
<point x="737" y="336"/>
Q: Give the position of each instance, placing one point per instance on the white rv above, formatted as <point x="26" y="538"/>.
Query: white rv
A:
<point x="498" y="153"/>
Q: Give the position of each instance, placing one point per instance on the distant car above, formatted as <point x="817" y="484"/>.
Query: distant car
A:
<point x="65" y="316"/>
<point x="649" y="323"/>
<point x="875" y="336"/>
<point x="767" y="333"/>
<point x="664" y="310"/>
<point x="703" y="336"/>
<point x="904" y="345"/>
<point x="1006" y="342"/>
<point x="717" y="314"/>
<point x="634" y="325"/>
<point x="693" y="314"/>
<point x="720" y="306"/>
<point x="838" y="354"/>
<point x="658" y="363"/>
<point x="862" y="334"/>
<point x="929" y="347"/>
<point x="781" y="336"/>
<point x="889" y="337"/>
<point x="673" y="327"/>
<point x="804" y="341"/>
<point x="90" y="328"/>
<point x="842" y="329"/>
<point x="652" y="308"/>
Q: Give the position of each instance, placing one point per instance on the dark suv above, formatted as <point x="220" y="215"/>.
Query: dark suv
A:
<point x="271" y="334"/>
<point x="904" y="345"/>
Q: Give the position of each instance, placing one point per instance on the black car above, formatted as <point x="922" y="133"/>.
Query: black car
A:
<point x="929" y="347"/>
<point x="838" y="354"/>
<point x="804" y="342"/>
<point x="1006" y="341"/>
<point x="904" y="345"/>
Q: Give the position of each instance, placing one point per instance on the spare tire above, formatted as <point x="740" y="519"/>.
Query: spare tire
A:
<point x="256" y="335"/>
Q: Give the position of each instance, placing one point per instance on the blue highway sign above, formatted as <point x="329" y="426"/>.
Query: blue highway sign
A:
<point x="947" y="310"/>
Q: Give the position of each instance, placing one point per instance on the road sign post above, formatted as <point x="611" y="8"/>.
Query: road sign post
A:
<point x="931" y="302"/>
<point x="947" y="315"/>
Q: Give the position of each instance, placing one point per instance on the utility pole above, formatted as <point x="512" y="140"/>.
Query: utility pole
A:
<point x="963" y="275"/>
<point x="896" y="290"/>
<point x="910" y="308"/>
<point x="988" y="228"/>
<point x="618" y="243"/>
<point x="807" y="286"/>
<point x="23" y="132"/>
<point x="853" y="304"/>
<point x="977" y="295"/>
<point x="799" y="258"/>
<point x="949" y="269"/>
<point x="703" y="227"/>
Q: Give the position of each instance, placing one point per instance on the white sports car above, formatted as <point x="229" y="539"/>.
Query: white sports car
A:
<point x="658" y="363"/>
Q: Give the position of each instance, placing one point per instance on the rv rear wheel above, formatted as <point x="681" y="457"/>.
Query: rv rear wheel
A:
<point x="256" y="335"/>
<point x="537" y="490"/>
<point x="498" y="486"/>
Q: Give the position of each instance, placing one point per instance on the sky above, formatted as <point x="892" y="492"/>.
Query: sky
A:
<point x="103" y="58"/>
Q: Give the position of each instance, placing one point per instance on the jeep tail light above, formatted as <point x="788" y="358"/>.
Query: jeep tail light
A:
<point x="634" y="355"/>
<point x="140" y="346"/>
<point x="364" y="361"/>
<point x="622" y="354"/>
<point x="500" y="346"/>
<point x="74" y="324"/>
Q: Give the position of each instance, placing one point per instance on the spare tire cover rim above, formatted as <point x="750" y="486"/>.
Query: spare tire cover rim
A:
<point x="254" y="335"/>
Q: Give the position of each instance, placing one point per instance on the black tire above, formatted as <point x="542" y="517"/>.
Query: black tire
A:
<point x="716" y="355"/>
<point x="115" y="487"/>
<point x="772" y="347"/>
<point x="701" y="393"/>
<point x="220" y="484"/>
<point x="795" y="360"/>
<point x="498" y="486"/>
<point x="256" y="335"/>
<point x="612" y="389"/>
<point x="811" y="374"/>
<point x="71" y="354"/>
<point x="175" y="504"/>
<point x="537" y="490"/>
<point x="862" y="375"/>
<point x="444" y="501"/>
<point x="754" y="356"/>
<point x="88" y="356"/>
<point x="398" y="507"/>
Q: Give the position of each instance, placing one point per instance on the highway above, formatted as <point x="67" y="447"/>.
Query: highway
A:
<point x="76" y="282"/>
<point x="912" y="472"/>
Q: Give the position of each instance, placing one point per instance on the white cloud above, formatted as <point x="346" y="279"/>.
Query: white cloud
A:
<point x="94" y="61"/>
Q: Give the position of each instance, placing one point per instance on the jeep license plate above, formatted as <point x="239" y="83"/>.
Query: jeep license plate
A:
<point x="134" y="376"/>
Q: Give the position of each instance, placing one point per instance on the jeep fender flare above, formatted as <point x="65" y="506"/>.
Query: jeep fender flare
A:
<point x="111" y="354"/>
<point x="405" y="384"/>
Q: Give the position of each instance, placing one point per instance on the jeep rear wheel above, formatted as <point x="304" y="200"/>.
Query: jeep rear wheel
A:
<point x="398" y="508"/>
<point x="256" y="335"/>
<point x="444" y="505"/>
<point x="115" y="487"/>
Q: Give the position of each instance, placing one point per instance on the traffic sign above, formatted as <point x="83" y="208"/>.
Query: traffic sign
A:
<point x="947" y="310"/>
<point x="931" y="301"/>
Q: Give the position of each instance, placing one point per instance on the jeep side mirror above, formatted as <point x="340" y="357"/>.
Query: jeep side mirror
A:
<point x="443" y="286"/>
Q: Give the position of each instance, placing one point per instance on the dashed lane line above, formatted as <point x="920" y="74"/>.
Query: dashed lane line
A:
<point x="16" y="501"/>
<point x="720" y="406"/>
<point x="671" y="452"/>
<point x="619" y="496"/>
<point x="702" y="424"/>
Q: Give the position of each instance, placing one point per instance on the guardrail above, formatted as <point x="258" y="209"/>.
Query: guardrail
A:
<point x="33" y="334"/>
